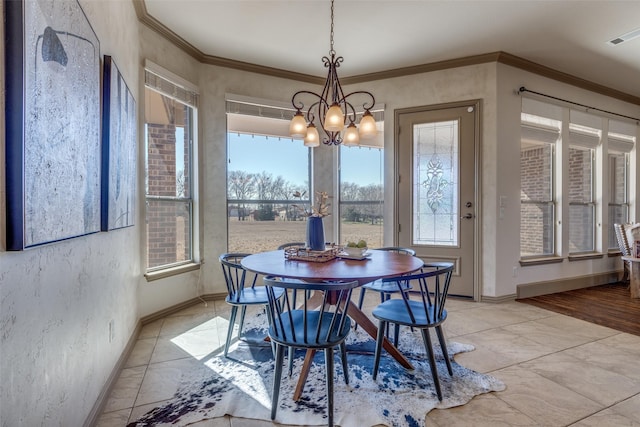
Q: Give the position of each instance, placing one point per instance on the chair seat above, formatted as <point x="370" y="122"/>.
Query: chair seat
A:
<point x="280" y="332"/>
<point x="387" y="288"/>
<point x="250" y="296"/>
<point x="395" y="311"/>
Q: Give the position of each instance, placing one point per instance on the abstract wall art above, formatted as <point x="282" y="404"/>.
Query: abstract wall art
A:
<point x="52" y="63"/>
<point x="118" y="150"/>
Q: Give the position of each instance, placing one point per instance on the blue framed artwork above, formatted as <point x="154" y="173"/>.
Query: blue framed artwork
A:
<point x="118" y="150"/>
<point x="52" y="114"/>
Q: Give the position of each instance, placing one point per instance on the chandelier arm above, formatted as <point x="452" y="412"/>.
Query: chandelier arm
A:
<point x="363" y="92"/>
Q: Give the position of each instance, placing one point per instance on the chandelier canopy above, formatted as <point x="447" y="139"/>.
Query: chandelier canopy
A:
<point x="333" y="109"/>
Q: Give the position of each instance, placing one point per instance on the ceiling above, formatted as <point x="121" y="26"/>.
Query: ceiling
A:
<point x="570" y="36"/>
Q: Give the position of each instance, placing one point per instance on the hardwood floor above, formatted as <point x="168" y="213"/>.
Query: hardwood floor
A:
<point x="606" y="305"/>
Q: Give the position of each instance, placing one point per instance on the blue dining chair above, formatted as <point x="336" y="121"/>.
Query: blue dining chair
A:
<point x="386" y="289"/>
<point x="423" y="313"/>
<point x="309" y="327"/>
<point x="241" y="291"/>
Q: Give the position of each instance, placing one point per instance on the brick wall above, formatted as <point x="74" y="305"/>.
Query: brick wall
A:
<point x="167" y="221"/>
<point x="536" y="222"/>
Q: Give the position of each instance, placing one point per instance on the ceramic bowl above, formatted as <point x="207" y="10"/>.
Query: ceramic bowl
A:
<point x="354" y="251"/>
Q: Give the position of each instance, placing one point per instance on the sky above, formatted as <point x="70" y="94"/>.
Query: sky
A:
<point x="257" y="153"/>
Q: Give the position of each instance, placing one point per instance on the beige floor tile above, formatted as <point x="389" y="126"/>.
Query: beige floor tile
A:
<point x="630" y="408"/>
<point x="508" y="346"/>
<point x="162" y="380"/>
<point x="622" y="341"/>
<point x="196" y="344"/>
<point x="176" y="325"/>
<point x="126" y="389"/>
<point x="114" y="419"/>
<point x="151" y="330"/>
<point x="609" y="357"/>
<point x="483" y="411"/>
<point x="572" y="325"/>
<point x="589" y="380"/>
<point x="543" y="400"/>
<point x="550" y="336"/>
<point x="606" y="418"/>
<point x="141" y="353"/>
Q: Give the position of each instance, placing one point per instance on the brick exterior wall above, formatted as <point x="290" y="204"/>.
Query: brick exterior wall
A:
<point x="168" y="223"/>
<point x="536" y="224"/>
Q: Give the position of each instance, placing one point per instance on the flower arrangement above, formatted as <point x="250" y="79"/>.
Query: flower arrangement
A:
<point x="321" y="209"/>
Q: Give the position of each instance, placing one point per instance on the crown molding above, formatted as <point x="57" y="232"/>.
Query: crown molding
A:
<point x="500" y="57"/>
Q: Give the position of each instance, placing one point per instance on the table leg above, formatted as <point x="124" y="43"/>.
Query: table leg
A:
<point x="304" y="373"/>
<point x="365" y="323"/>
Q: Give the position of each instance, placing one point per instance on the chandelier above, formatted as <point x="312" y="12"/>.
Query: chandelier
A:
<point x="333" y="109"/>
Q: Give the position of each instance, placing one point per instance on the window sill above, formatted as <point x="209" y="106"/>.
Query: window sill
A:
<point x="540" y="261"/>
<point x="173" y="271"/>
<point x="582" y="257"/>
<point x="614" y="253"/>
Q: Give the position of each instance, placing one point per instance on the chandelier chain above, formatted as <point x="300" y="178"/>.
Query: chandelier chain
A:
<point x="331" y="51"/>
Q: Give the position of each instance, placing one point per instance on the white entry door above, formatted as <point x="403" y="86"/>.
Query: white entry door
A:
<point x="437" y="191"/>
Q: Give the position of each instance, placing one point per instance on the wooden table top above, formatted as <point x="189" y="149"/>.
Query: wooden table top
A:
<point x="380" y="264"/>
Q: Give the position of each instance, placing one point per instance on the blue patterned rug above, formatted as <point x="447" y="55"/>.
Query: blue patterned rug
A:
<point x="241" y="386"/>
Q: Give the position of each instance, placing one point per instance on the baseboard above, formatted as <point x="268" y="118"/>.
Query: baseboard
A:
<point x="180" y="306"/>
<point x="497" y="300"/>
<point x="529" y="290"/>
<point x="107" y="388"/>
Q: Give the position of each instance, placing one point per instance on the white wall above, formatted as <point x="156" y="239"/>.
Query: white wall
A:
<point x="56" y="301"/>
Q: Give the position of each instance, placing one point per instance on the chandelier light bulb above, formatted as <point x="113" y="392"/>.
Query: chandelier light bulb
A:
<point x="334" y="120"/>
<point x="298" y="126"/>
<point x="368" y="127"/>
<point x="312" y="138"/>
<point x="351" y="136"/>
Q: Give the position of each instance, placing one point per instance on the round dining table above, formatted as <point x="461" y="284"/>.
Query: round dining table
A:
<point x="376" y="265"/>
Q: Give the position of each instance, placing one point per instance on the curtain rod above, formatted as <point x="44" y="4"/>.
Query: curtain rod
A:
<point x="524" y="89"/>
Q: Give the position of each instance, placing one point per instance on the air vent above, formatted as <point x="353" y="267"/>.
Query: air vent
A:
<point x="625" y="37"/>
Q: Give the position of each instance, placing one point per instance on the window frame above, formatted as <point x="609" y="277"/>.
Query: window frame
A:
<point x="169" y="85"/>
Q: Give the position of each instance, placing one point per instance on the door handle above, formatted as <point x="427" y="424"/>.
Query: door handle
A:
<point x="467" y="216"/>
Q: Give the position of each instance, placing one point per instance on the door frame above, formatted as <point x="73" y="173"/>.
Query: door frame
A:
<point x="477" y="231"/>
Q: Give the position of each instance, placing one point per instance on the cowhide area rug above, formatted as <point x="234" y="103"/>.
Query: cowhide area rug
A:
<point x="241" y="385"/>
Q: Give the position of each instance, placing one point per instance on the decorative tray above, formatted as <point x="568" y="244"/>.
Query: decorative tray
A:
<point x="306" y="254"/>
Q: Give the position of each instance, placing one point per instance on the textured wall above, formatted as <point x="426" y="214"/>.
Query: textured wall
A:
<point x="56" y="301"/>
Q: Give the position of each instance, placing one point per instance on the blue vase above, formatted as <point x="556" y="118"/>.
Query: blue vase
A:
<point x="315" y="233"/>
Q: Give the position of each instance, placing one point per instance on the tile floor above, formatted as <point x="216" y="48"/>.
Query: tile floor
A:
<point x="559" y="371"/>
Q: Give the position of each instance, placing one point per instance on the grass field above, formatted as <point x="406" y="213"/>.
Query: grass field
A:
<point x="260" y="236"/>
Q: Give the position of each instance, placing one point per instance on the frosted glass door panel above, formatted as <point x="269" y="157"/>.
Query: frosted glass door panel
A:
<point x="436" y="171"/>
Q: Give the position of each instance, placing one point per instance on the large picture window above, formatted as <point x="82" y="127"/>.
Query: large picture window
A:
<point x="265" y="168"/>
<point x="170" y="129"/>
<point x="361" y="195"/>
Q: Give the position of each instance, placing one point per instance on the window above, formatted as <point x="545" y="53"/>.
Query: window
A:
<point x="578" y="160"/>
<point x="265" y="167"/>
<point x="621" y="142"/>
<point x="540" y="132"/>
<point x="361" y="195"/>
<point x="170" y="129"/>
<point x="581" y="177"/>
